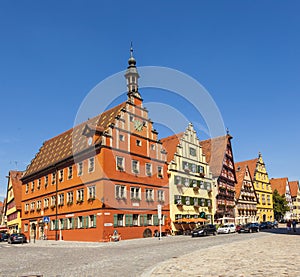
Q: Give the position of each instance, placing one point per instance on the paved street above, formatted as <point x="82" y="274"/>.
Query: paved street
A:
<point x="262" y="254"/>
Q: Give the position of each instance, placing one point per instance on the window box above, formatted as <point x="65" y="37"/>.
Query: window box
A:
<point x="150" y="200"/>
<point x="52" y="206"/>
<point x="26" y="212"/>
<point x="38" y="209"/>
<point x="201" y="174"/>
<point x="79" y="201"/>
<point x="91" y="199"/>
<point x="45" y="208"/>
<point x="135" y="171"/>
<point x="135" y="199"/>
<point x="70" y="203"/>
<point x="160" y="175"/>
<point x="148" y="173"/>
<point x="120" y="168"/>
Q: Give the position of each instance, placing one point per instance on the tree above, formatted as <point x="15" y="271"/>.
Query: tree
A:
<point x="280" y="205"/>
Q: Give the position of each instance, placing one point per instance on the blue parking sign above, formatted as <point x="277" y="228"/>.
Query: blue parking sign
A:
<point x="46" y="219"/>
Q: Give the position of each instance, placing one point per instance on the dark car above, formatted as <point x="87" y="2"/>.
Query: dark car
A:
<point x="204" y="230"/>
<point x="266" y="225"/>
<point x="249" y="228"/>
<point x="17" y="238"/>
<point x="3" y="236"/>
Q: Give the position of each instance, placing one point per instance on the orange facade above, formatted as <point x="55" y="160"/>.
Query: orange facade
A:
<point x="106" y="175"/>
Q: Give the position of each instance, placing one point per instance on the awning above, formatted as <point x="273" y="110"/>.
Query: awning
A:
<point x="190" y="220"/>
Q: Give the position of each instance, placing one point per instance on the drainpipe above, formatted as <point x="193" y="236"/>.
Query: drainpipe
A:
<point x="56" y="201"/>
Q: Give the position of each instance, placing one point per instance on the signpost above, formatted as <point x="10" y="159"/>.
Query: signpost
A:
<point x="159" y="218"/>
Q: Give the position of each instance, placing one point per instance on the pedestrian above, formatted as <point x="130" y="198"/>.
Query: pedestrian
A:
<point x="294" y="223"/>
<point x="288" y="226"/>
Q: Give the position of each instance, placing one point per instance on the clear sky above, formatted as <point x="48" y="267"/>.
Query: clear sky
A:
<point x="245" y="53"/>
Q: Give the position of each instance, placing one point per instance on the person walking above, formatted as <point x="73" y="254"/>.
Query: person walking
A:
<point x="288" y="226"/>
<point x="294" y="223"/>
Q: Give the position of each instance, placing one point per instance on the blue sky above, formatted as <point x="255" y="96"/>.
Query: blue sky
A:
<point x="245" y="53"/>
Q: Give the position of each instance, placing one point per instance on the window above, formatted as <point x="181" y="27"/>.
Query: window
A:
<point x="80" y="195"/>
<point x="32" y="205"/>
<point x="79" y="169"/>
<point x="135" y="166"/>
<point x="200" y="169"/>
<point x="53" y="178"/>
<point x="91" y="164"/>
<point x="135" y="219"/>
<point x="46" y="203"/>
<point x="152" y="146"/>
<point x="192" y="151"/>
<point x="160" y="196"/>
<point x="53" y="201"/>
<point x="92" y="192"/>
<point x="61" y="197"/>
<point x="131" y="118"/>
<point x="61" y="224"/>
<point x="159" y="171"/>
<point x="38" y="205"/>
<point x="135" y="193"/>
<point x="46" y="181"/>
<point x="32" y="186"/>
<point x="61" y="175"/>
<point x="70" y="197"/>
<point x="70" y="223"/>
<point x="26" y="189"/>
<point x="79" y="222"/>
<point x="187" y="200"/>
<point x="148" y="169"/>
<point x="92" y="221"/>
<point x="120" y="192"/>
<point x="121" y="138"/>
<point x="149" y="219"/>
<point x="120" y="163"/>
<point x="194" y="168"/>
<point x="178" y="199"/>
<point x="39" y="183"/>
<point x="185" y="166"/>
<point x="25" y="227"/>
<point x="26" y="207"/>
<point x="138" y="142"/>
<point x="120" y="220"/>
<point x="70" y="172"/>
<point x="149" y="195"/>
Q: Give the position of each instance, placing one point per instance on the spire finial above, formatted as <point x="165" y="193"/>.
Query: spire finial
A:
<point x="227" y="131"/>
<point x="131" y="61"/>
<point x="131" y="49"/>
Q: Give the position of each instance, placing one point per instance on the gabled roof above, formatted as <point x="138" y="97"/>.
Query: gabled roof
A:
<point x="294" y="188"/>
<point x="251" y="166"/>
<point x="72" y="141"/>
<point x="214" y="150"/>
<point x="279" y="184"/>
<point x="15" y="179"/>
<point x="240" y="175"/>
<point x="170" y="145"/>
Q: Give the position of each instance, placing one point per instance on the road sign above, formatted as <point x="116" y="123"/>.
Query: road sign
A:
<point x="159" y="211"/>
<point x="46" y="219"/>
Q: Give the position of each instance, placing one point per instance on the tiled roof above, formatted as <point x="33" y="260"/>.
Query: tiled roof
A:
<point x="214" y="150"/>
<point x="170" y="145"/>
<point x="70" y="142"/>
<point x="279" y="184"/>
<point x="294" y="188"/>
<point x="240" y="175"/>
<point x="251" y="166"/>
<point x="15" y="178"/>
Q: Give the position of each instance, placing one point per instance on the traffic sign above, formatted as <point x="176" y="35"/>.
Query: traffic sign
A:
<point x="46" y="219"/>
<point x="159" y="211"/>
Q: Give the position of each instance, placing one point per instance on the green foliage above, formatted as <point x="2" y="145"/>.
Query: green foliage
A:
<point x="280" y="205"/>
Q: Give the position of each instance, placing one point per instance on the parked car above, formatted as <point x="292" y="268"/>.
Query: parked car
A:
<point x="17" y="238"/>
<point x="266" y="225"/>
<point x="204" y="230"/>
<point x="249" y="228"/>
<point x="3" y="236"/>
<point x="238" y="227"/>
<point x="226" y="229"/>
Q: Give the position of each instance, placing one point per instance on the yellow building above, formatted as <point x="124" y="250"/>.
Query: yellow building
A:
<point x="13" y="202"/>
<point x="190" y="182"/>
<point x="262" y="188"/>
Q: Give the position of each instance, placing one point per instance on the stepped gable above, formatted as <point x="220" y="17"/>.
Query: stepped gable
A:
<point x="15" y="178"/>
<point x="240" y="175"/>
<point x="294" y="187"/>
<point x="72" y="141"/>
<point x="214" y="150"/>
<point x="170" y="145"/>
<point x="279" y="184"/>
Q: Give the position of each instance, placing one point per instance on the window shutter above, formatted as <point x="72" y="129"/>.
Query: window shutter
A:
<point x="141" y="219"/>
<point x="115" y="220"/>
<point x="131" y="219"/>
<point x="191" y="201"/>
<point x="183" y="200"/>
<point x="56" y="224"/>
<point x="65" y="223"/>
<point x="126" y="219"/>
<point x="155" y="219"/>
<point x="95" y="221"/>
<point x="145" y="220"/>
<point x="75" y="223"/>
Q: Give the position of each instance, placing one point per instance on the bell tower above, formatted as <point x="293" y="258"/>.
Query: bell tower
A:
<point x="132" y="77"/>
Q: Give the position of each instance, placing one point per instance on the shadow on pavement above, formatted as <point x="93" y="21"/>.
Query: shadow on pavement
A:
<point x="281" y="230"/>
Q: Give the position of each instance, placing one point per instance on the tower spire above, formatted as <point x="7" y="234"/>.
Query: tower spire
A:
<point x="132" y="76"/>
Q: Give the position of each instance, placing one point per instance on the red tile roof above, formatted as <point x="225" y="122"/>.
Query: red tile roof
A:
<point x="251" y="166"/>
<point x="70" y="142"/>
<point x="170" y="145"/>
<point x="240" y="176"/>
<point x="279" y="184"/>
<point x="214" y="150"/>
<point x="294" y="188"/>
<point x="15" y="178"/>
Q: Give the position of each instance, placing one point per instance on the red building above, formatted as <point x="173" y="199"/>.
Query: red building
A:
<point x="103" y="176"/>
